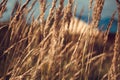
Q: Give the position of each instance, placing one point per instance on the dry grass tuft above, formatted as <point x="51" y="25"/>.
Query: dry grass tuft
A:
<point x="59" y="47"/>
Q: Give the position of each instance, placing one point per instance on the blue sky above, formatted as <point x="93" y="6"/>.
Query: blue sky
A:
<point x="109" y="8"/>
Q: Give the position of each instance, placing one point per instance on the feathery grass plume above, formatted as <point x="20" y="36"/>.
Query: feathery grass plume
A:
<point x="60" y="13"/>
<point x="68" y="12"/>
<point x="114" y="73"/>
<point x="50" y="18"/>
<point x="96" y="15"/>
<point x="66" y="19"/>
<point x="16" y="50"/>
<point x="31" y="7"/>
<point x="63" y="38"/>
<point x="15" y="8"/>
<point x="37" y="25"/>
<point x="3" y="7"/>
<point x="17" y="21"/>
<point x="42" y="14"/>
<point x="56" y="25"/>
<point x="65" y="23"/>
<point x="54" y="50"/>
<point x="18" y="14"/>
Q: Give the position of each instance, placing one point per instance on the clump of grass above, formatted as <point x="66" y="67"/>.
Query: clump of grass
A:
<point x="114" y="73"/>
<point x="58" y="47"/>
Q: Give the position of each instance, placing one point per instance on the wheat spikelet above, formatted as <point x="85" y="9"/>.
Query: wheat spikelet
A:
<point x="115" y="66"/>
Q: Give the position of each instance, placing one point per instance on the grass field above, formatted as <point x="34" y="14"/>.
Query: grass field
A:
<point x="59" y="47"/>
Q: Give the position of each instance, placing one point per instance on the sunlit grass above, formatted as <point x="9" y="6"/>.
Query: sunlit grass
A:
<point x="59" y="47"/>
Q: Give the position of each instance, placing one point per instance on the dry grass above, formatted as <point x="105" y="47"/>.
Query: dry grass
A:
<point x="114" y="73"/>
<point x="59" y="47"/>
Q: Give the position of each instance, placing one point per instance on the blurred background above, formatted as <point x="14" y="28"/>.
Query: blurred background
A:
<point x="108" y="10"/>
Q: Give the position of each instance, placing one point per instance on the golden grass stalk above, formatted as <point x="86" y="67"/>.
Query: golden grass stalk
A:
<point x="50" y="18"/>
<point x="115" y="66"/>
<point x="3" y="7"/>
<point x="42" y="14"/>
<point x="97" y="12"/>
